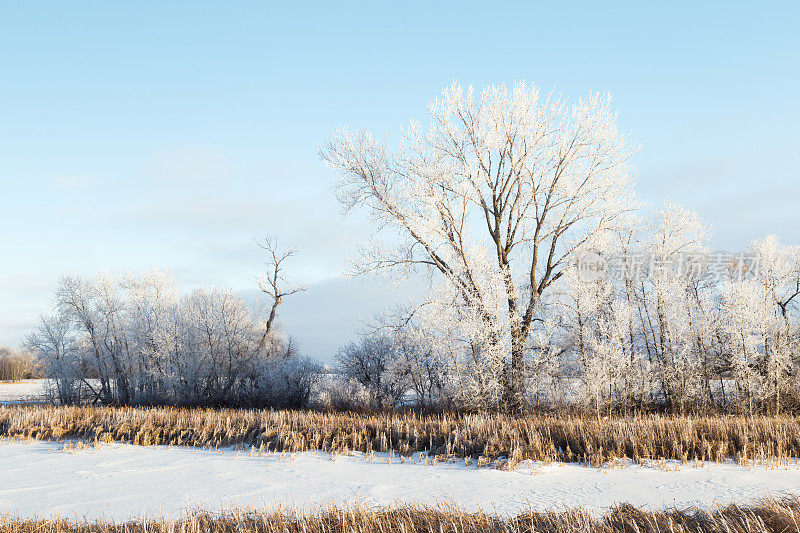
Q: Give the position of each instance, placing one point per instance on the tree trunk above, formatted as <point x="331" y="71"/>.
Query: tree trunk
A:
<point x="514" y="381"/>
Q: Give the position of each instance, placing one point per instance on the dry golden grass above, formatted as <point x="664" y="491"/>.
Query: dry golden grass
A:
<point x="484" y="437"/>
<point x="770" y="515"/>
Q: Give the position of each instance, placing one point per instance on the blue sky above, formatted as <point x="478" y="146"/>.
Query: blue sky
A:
<point x="171" y="134"/>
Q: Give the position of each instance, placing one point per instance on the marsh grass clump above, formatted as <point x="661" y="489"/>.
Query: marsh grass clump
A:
<point x="483" y="437"/>
<point x="764" y="516"/>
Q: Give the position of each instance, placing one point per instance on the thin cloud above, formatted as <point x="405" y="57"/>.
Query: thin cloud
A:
<point x="190" y="165"/>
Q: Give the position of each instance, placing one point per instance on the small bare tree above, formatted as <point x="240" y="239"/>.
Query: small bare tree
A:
<point x="275" y="283"/>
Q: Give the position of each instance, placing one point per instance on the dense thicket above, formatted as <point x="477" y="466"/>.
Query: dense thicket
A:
<point x="136" y="340"/>
<point x="663" y="324"/>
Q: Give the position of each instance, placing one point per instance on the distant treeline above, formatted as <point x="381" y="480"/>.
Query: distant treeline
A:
<point x="16" y="364"/>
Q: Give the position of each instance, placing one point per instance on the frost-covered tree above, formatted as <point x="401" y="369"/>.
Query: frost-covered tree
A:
<point x="761" y="324"/>
<point x="370" y="361"/>
<point x="54" y="348"/>
<point x="668" y="300"/>
<point x="493" y="194"/>
<point x="594" y="336"/>
<point x="645" y="332"/>
<point x="424" y="356"/>
<point x="778" y="280"/>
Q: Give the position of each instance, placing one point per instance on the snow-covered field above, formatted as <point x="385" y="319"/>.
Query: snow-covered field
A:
<point x="119" y="481"/>
<point x="24" y="391"/>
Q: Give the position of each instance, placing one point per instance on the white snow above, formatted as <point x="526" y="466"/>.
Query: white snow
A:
<point x="120" y="481"/>
<point x="23" y="391"/>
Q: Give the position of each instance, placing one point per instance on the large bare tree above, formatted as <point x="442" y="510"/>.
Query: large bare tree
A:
<point x="495" y="193"/>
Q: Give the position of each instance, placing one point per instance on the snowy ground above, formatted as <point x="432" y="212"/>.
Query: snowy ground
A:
<point x="121" y="481"/>
<point x="23" y="391"/>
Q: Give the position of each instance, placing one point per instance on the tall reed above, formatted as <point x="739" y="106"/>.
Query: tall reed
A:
<point x="766" y="516"/>
<point x="480" y="436"/>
